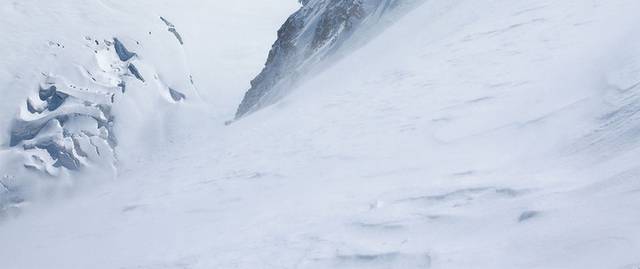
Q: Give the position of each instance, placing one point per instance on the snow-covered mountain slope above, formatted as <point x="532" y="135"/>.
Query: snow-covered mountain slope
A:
<point x="314" y="37"/>
<point x="469" y="134"/>
<point x="90" y="86"/>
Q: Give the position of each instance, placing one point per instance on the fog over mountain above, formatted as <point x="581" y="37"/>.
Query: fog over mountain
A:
<point x="319" y="134"/>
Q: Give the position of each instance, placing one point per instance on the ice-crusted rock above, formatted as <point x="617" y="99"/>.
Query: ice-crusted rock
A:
<point x="319" y="30"/>
<point x="67" y="126"/>
<point x="72" y="121"/>
<point x="172" y="29"/>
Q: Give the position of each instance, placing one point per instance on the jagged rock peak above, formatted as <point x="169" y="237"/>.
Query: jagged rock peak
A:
<point x="317" y="31"/>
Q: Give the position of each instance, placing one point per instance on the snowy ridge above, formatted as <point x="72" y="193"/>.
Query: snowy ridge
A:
<point x="313" y="37"/>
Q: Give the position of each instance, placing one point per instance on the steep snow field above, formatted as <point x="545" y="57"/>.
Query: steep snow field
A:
<point x="470" y="134"/>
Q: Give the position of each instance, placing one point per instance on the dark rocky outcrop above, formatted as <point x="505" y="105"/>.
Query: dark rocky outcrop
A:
<point x="317" y="31"/>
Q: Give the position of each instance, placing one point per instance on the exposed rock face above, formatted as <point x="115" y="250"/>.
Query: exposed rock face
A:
<point x="319" y="30"/>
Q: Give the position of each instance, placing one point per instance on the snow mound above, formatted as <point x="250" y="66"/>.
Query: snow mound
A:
<point x="85" y="99"/>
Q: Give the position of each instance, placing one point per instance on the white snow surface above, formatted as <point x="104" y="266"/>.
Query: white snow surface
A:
<point x="470" y="134"/>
